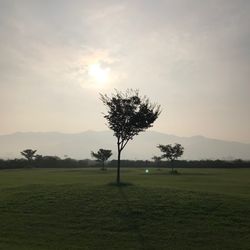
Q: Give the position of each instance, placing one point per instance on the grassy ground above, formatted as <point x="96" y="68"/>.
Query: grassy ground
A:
<point x="80" y="209"/>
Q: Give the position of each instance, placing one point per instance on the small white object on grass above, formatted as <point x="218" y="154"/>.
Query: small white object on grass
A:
<point x="146" y="171"/>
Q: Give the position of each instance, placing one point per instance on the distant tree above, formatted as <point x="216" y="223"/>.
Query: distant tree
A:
<point x="128" y="115"/>
<point x="38" y="157"/>
<point x="157" y="160"/>
<point x="102" y="156"/>
<point x="171" y="153"/>
<point x="29" y="154"/>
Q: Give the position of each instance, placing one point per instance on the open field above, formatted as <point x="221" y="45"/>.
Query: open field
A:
<point x="79" y="209"/>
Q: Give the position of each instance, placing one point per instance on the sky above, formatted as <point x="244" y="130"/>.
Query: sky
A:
<point x="190" y="56"/>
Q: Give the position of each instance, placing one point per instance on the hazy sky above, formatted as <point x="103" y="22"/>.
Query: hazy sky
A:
<point x="190" y="56"/>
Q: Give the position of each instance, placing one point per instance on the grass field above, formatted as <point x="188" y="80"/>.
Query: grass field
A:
<point x="79" y="209"/>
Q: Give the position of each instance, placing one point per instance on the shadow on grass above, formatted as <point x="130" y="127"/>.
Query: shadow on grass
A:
<point x="121" y="187"/>
<point x="131" y="220"/>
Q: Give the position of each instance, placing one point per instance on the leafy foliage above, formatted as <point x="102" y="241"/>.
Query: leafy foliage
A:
<point x="29" y="154"/>
<point x="102" y="155"/>
<point x="156" y="159"/>
<point x="171" y="152"/>
<point x="128" y="115"/>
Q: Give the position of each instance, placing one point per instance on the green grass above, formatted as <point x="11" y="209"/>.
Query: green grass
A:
<point x="81" y="209"/>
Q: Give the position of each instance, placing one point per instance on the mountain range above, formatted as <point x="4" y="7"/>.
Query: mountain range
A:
<point x="143" y="147"/>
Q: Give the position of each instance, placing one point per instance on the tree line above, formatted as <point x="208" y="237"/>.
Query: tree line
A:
<point x="57" y="162"/>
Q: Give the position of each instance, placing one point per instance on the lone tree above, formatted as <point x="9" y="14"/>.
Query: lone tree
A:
<point x="102" y="156"/>
<point x="29" y="154"/>
<point x="128" y="115"/>
<point x="171" y="153"/>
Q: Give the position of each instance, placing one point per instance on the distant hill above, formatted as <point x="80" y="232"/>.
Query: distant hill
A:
<point x="143" y="146"/>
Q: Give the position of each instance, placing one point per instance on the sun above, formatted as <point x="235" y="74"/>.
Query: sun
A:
<point x="98" y="73"/>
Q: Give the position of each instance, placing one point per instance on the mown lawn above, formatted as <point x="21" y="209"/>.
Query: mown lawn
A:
<point x="79" y="209"/>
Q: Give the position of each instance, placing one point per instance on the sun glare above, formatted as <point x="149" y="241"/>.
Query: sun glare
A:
<point x="99" y="73"/>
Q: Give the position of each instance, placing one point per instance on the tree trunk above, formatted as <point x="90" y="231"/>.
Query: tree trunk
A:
<point x="118" y="167"/>
<point x="172" y="165"/>
<point x="103" y="165"/>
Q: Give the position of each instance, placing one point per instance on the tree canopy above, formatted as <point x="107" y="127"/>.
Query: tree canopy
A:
<point x="102" y="155"/>
<point x="29" y="154"/>
<point x="171" y="153"/>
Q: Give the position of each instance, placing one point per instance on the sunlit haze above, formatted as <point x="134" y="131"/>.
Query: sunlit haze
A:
<point x="190" y="56"/>
<point x="99" y="74"/>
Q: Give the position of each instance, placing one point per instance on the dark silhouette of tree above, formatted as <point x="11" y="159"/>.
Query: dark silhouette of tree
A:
<point x="29" y="154"/>
<point x="38" y="157"/>
<point x="171" y="153"/>
<point x="102" y="156"/>
<point x="128" y="115"/>
<point x="157" y="160"/>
